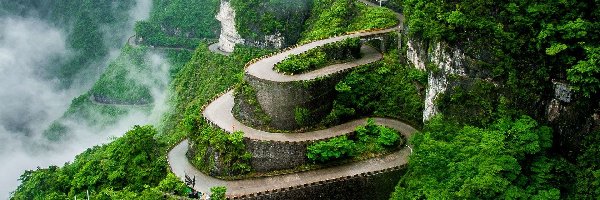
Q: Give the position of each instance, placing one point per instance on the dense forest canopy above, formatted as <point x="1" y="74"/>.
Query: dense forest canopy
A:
<point x="524" y="46"/>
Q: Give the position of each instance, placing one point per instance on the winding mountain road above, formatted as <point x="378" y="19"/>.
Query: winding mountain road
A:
<point x="219" y="112"/>
<point x="264" y="69"/>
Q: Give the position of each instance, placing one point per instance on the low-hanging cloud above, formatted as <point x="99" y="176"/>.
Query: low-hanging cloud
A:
<point x="29" y="102"/>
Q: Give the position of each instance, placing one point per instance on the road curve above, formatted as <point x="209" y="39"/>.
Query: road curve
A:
<point x="264" y="69"/>
<point x="219" y="112"/>
<point x="180" y="166"/>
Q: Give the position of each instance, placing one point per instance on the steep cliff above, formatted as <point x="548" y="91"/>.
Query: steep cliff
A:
<point x="261" y="23"/>
<point x="229" y="36"/>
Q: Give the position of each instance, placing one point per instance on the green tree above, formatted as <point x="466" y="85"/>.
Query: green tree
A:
<point x="464" y="162"/>
<point x="218" y="193"/>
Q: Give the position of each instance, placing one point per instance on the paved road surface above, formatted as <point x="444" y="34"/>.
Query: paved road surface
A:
<point x="181" y="166"/>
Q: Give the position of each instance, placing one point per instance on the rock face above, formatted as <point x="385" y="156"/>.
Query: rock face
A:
<point x="570" y="116"/>
<point x="229" y="35"/>
<point x="275" y="41"/>
<point x="447" y="61"/>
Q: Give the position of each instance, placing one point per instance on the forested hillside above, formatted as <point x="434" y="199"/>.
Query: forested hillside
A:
<point x="495" y="136"/>
<point x="496" y="151"/>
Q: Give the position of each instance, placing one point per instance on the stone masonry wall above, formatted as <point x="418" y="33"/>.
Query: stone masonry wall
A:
<point x="273" y="155"/>
<point x="279" y="100"/>
<point x="368" y="186"/>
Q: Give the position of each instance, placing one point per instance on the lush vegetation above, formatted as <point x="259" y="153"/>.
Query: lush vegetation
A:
<point x="402" y="99"/>
<point x="527" y="44"/>
<point x="320" y="57"/>
<point x="256" y="19"/>
<point x="179" y="23"/>
<point x="368" y="139"/>
<point x="505" y="160"/>
<point x="122" y="81"/>
<point x="218" y="193"/>
<point x="333" y="17"/>
<point x="521" y="47"/>
<point x="194" y="87"/>
<point x="120" y="88"/>
<point x="130" y="167"/>
<point x="233" y="159"/>
<point x="245" y="92"/>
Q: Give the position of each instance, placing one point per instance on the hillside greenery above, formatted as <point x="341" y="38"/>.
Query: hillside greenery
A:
<point x="368" y="139"/>
<point x="197" y="85"/>
<point x="256" y="19"/>
<point x="402" y="100"/>
<point x="522" y="47"/>
<point x="505" y="160"/>
<point x="334" y="17"/>
<point x="130" y="167"/>
<point x="120" y="89"/>
<point x="337" y="52"/>
<point x="122" y="80"/>
<point x="179" y="23"/>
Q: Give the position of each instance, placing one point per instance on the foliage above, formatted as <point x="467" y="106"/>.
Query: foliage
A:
<point x="320" y="57"/>
<point x="233" y="159"/>
<point x="195" y="86"/>
<point x="172" y="184"/>
<point x="218" y="193"/>
<point x="469" y="101"/>
<point x="505" y="160"/>
<point x="387" y="137"/>
<point x="368" y="139"/>
<point x="334" y="148"/>
<point x="302" y="116"/>
<point x="248" y="94"/>
<point x="122" y="80"/>
<point x="116" y="87"/>
<point x="83" y="110"/>
<point x="396" y="5"/>
<point x="386" y="88"/>
<point x="333" y="17"/>
<point x="372" y="138"/>
<point x="131" y="163"/>
<point x="529" y="43"/>
<point x="582" y="179"/>
<point x="256" y="19"/>
<point x="585" y="75"/>
<point x="179" y="23"/>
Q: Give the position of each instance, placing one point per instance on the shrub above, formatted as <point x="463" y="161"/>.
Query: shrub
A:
<point x="302" y="116"/>
<point x="331" y="149"/>
<point x="320" y="57"/>
<point x="387" y="137"/>
<point x="218" y="193"/>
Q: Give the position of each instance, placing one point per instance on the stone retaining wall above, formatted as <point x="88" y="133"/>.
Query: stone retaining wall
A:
<point x="272" y="155"/>
<point x="279" y="100"/>
<point x="371" y="185"/>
